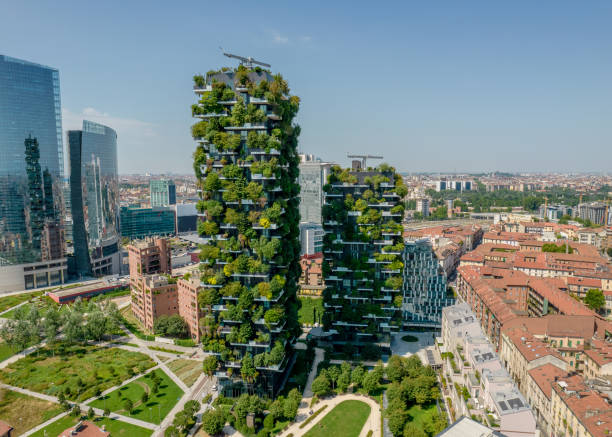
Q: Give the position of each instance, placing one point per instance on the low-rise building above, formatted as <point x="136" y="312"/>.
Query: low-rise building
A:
<point x="85" y="429"/>
<point x="579" y="410"/>
<point x="311" y="279"/>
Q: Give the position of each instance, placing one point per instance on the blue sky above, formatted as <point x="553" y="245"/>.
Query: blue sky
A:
<point x="431" y="85"/>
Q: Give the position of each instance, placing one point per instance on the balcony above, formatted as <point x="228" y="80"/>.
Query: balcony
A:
<point x="202" y="89"/>
<point x="263" y="152"/>
<point x="247" y="127"/>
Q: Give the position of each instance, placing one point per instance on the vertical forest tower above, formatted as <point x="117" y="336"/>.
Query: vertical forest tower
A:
<point x="246" y="163"/>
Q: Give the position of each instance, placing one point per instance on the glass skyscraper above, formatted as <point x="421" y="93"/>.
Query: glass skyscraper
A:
<point x="94" y="199"/>
<point x="31" y="168"/>
<point x="163" y="192"/>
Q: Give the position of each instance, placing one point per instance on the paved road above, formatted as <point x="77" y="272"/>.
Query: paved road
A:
<point x="372" y="423"/>
<point x="307" y="395"/>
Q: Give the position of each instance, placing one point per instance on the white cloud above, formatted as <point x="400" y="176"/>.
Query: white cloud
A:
<point x="305" y="38"/>
<point x="279" y="39"/>
<point x="128" y="130"/>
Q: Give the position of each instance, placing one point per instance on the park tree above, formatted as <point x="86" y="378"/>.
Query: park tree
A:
<point x="172" y="431"/>
<point x="357" y="375"/>
<point x="290" y="408"/>
<point x="595" y="299"/>
<point x="144" y="398"/>
<point x="192" y="407"/>
<point x="370" y="381"/>
<point x="277" y="407"/>
<point x="73" y="327"/>
<point x="321" y="386"/>
<point x="96" y="325"/>
<point x="91" y="413"/>
<point x="128" y="406"/>
<point x="333" y="373"/>
<point x="413" y="430"/>
<point x="344" y="380"/>
<point x="213" y="422"/>
<point x="397" y="418"/>
<point x="395" y="368"/>
<point x="210" y="365"/>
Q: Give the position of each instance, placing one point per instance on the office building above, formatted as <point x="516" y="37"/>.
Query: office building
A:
<point x="186" y="218"/>
<point x="593" y="211"/>
<point x="137" y="223"/>
<point x="247" y="165"/>
<point x="362" y="252"/>
<point x="422" y="206"/>
<point x="425" y="291"/>
<point x="313" y="176"/>
<point x="94" y="200"/>
<point x="163" y="192"/>
<point x="31" y="169"/>
<point x="311" y="238"/>
<point x="453" y="185"/>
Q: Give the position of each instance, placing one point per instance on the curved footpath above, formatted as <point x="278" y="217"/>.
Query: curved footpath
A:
<point x="372" y="423"/>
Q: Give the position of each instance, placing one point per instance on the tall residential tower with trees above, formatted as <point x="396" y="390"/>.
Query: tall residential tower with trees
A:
<point x="362" y="263"/>
<point x="246" y="163"/>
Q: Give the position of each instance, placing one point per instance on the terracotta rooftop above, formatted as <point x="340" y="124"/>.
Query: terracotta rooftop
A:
<point x="4" y="427"/>
<point x="545" y="375"/>
<point x="600" y="352"/>
<point x="590" y="407"/>
<point x="84" y="429"/>
<point x="530" y="347"/>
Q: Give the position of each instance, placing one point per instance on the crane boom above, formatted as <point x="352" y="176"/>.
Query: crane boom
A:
<point x="364" y="158"/>
<point x="247" y="61"/>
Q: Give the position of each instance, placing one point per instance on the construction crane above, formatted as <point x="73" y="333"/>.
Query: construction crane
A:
<point x="248" y="62"/>
<point x="364" y="158"/>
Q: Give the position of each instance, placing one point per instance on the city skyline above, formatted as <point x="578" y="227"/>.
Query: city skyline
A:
<point x="479" y="88"/>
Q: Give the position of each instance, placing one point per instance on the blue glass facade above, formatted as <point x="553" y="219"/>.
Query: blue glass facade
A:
<point x="31" y="163"/>
<point x="94" y="199"/>
<point x="425" y="290"/>
<point x="146" y="222"/>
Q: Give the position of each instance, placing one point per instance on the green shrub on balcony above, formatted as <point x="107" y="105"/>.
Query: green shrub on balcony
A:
<point x="209" y="253"/>
<point x="394" y="282"/>
<point x="208" y="228"/>
<point x="274" y="315"/>
<point x="199" y="81"/>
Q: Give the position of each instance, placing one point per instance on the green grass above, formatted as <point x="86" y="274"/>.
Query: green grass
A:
<point x="131" y="323"/>
<point x="310" y="305"/>
<point x="50" y="372"/>
<point x="185" y="342"/>
<point x="156" y="408"/>
<point x="25" y="412"/>
<point x="114" y="426"/>
<point x="345" y="420"/>
<point x="418" y="413"/>
<point x="410" y="338"/>
<point x="10" y="301"/>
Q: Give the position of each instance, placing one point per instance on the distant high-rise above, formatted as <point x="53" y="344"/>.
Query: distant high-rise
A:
<point x="313" y="176"/>
<point x="94" y="199"/>
<point x="422" y="206"/>
<point x="163" y="192"/>
<point x="31" y="167"/>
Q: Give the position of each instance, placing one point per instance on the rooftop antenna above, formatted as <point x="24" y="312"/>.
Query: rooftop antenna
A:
<point x="248" y="62"/>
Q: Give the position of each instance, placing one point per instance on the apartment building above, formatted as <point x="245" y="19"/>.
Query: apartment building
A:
<point x="490" y="387"/>
<point x="149" y="256"/>
<point x="153" y="291"/>
<point x="577" y="409"/>
<point x="520" y="352"/>
<point x="598" y="359"/>
<point x="311" y="279"/>
<point x="538" y="390"/>
<point x="153" y="296"/>
<point x="188" y="288"/>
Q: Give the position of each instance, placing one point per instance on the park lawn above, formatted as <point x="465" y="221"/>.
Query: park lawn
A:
<point x="345" y="420"/>
<point x="10" y="301"/>
<point x="418" y="413"/>
<point x="309" y="306"/>
<point x="187" y="370"/>
<point x="52" y="371"/>
<point x="132" y="324"/>
<point x="156" y="408"/>
<point x="25" y="412"/>
<point x="114" y="426"/>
